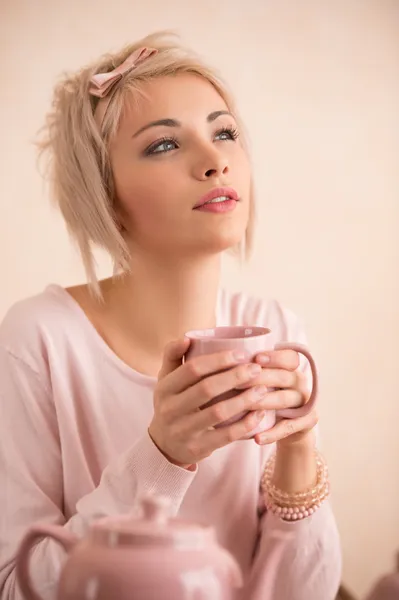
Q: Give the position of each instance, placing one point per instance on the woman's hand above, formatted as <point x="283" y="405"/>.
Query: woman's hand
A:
<point x="280" y="370"/>
<point x="184" y="433"/>
<point x="295" y="467"/>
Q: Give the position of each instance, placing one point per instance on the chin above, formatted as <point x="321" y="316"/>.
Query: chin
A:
<point x="218" y="233"/>
<point x="215" y="240"/>
<point x="220" y="244"/>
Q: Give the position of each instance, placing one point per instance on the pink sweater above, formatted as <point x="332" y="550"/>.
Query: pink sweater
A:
<point x="74" y="443"/>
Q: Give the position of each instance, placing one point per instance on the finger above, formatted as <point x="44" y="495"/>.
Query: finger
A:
<point x="255" y="398"/>
<point x="194" y="370"/>
<point x="302" y="386"/>
<point x="279" y="359"/>
<point x="213" y="386"/>
<point x="286" y="428"/>
<point x="280" y="399"/>
<point x="275" y="378"/>
<point x="173" y="356"/>
<point x="226" y="409"/>
<point x="218" y="438"/>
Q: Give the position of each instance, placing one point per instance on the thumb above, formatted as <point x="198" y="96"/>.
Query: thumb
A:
<point x="173" y="356"/>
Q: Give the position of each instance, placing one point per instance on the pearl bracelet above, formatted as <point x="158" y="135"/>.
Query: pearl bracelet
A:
<point x="293" y="506"/>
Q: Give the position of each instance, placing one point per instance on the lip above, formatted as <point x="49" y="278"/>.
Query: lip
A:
<point x="216" y="193"/>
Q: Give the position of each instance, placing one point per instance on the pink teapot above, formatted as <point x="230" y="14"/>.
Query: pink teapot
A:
<point x="154" y="557"/>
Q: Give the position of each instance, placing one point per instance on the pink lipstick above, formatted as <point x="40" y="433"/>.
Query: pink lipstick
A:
<point x="218" y="200"/>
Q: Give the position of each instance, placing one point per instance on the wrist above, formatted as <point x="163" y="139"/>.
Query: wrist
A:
<point x="299" y="442"/>
<point x="188" y="467"/>
<point x="295" y="467"/>
<point x="294" y="502"/>
<point x="191" y="467"/>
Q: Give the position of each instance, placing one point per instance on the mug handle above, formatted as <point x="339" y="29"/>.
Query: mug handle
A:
<point x="300" y="411"/>
<point x="59" y="534"/>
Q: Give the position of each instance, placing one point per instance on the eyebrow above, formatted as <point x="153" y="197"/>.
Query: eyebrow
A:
<point x="175" y="123"/>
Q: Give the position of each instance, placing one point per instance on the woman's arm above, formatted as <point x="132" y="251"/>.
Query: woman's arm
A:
<point x="31" y="477"/>
<point x="298" y="560"/>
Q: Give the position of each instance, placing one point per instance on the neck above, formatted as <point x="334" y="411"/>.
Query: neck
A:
<point x="159" y="301"/>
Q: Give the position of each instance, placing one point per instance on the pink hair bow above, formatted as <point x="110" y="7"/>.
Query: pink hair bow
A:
<point x="102" y="83"/>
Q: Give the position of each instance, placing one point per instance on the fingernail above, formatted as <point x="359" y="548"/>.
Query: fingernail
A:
<point x="259" y="391"/>
<point x="260" y="414"/>
<point x="263" y="359"/>
<point x="254" y="369"/>
<point x="239" y="355"/>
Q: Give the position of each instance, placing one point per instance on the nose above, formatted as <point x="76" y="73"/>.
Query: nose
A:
<point x="210" y="163"/>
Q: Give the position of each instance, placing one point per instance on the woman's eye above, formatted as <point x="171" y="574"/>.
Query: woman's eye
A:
<point x="228" y="133"/>
<point x="162" y="146"/>
<point x="167" y="144"/>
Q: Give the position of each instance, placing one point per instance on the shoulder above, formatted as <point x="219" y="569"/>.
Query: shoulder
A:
<point x="30" y="325"/>
<point x="238" y="308"/>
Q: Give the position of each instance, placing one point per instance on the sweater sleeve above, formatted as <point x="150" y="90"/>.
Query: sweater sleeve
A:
<point x="31" y="477"/>
<point x="297" y="561"/>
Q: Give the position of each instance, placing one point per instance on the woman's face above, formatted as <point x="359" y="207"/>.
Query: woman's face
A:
<point x="175" y="144"/>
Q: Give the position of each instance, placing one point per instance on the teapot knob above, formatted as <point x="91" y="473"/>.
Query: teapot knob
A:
<point x="156" y="508"/>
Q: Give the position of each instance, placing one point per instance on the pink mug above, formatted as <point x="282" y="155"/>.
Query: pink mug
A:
<point x="251" y="341"/>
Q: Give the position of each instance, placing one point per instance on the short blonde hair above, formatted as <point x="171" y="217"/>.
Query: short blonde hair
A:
<point x="82" y="185"/>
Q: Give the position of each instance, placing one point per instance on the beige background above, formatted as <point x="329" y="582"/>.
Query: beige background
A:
<point x="318" y="85"/>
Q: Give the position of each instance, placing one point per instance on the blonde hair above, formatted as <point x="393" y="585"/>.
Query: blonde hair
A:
<point x="80" y="172"/>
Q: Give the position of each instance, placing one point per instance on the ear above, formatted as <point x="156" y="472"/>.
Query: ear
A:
<point x="120" y="218"/>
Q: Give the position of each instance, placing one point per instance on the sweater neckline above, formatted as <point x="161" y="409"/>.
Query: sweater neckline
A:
<point x="137" y="376"/>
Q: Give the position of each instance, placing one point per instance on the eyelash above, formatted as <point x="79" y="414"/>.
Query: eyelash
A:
<point x="151" y="150"/>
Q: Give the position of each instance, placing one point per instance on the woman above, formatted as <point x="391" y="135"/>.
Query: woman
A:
<point x="149" y="163"/>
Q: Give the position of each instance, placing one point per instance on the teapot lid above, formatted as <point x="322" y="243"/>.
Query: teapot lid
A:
<point x="152" y="524"/>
